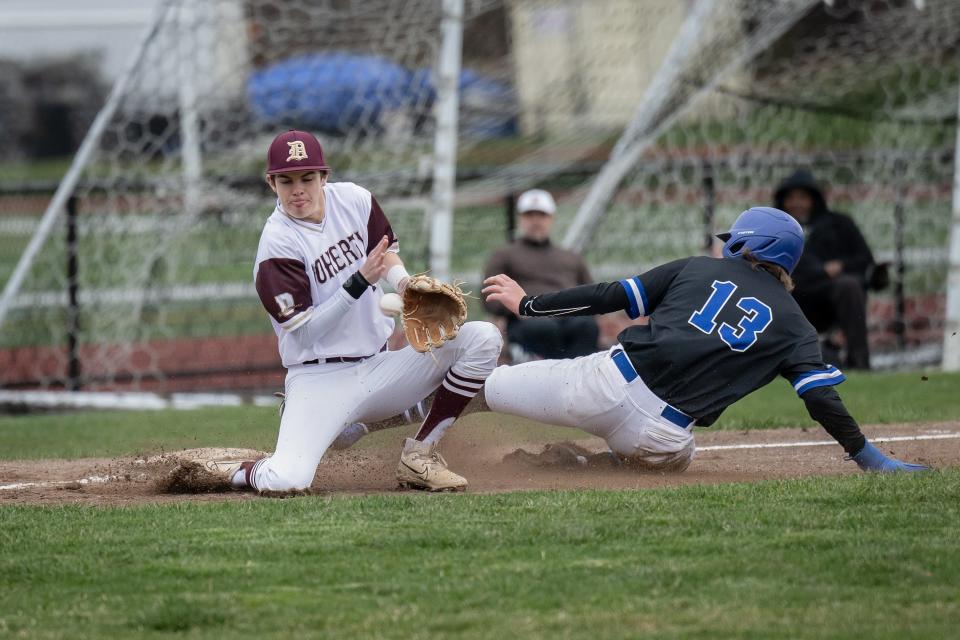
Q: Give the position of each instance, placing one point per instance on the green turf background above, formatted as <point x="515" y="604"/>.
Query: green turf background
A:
<point x="832" y="557"/>
<point x="874" y="398"/>
<point x="857" y="556"/>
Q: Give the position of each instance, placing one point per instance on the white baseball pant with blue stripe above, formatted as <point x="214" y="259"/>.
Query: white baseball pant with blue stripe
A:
<point x="591" y="393"/>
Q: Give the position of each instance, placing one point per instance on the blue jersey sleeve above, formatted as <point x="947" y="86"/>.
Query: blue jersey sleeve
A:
<point x="644" y="292"/>
<point x="805" y="369"/>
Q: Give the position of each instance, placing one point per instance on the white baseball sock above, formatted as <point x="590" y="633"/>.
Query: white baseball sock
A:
<point x="437" y="433"/>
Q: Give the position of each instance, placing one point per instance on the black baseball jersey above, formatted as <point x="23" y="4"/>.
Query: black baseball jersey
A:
<point x="718" y="329"/>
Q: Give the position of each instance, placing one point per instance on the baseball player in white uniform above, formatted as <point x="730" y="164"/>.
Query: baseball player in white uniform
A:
<point x="322" y="253"/>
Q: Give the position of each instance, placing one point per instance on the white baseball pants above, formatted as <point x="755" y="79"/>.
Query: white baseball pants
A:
<point x="590" y="393"/>
<point x="323" y="398"/>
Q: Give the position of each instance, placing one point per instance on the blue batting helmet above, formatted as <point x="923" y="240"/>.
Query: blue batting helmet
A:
<point x="770" y="235"/>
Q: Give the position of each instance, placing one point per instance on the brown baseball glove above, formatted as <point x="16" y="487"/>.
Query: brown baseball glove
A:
<point x="433" y="312"/>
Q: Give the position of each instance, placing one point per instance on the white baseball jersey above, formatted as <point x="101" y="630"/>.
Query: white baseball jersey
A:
<point x="300" y="271"/>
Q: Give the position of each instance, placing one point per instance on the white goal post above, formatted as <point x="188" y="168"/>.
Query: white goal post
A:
<point x="951" y="330"/>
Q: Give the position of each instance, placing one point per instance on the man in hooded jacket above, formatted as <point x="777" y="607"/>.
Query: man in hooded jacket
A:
<point x="832" y="275"/>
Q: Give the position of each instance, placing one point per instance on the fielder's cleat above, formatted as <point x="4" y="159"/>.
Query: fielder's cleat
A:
<point x="422" y="467"/>
<point x="349" y="436"/>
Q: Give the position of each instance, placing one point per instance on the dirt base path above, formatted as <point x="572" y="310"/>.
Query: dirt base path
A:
<point x="368" y="468"/>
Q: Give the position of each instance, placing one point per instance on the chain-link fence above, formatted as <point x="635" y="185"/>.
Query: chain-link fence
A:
<point x="718" y="101"/>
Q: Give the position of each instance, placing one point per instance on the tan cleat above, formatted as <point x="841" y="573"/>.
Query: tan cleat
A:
<point x="422" y="467"/>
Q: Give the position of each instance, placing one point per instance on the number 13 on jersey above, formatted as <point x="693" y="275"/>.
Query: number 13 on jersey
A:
<point x="757" y="317"/>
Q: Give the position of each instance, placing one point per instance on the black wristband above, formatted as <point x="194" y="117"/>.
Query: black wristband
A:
<point x="356" y="285"/>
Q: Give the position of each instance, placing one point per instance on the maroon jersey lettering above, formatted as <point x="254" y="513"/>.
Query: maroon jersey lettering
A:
<point x="334" y="253"/>
<point x="336" y="258"/>
<point x="347" y="250"/>
<point x="326" y="266"/>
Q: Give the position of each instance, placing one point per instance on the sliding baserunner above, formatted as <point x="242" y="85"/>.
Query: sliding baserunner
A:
<point x="718" y="329"/>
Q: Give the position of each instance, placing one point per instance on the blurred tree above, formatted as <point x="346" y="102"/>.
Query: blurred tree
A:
<point x="46" y="106"/>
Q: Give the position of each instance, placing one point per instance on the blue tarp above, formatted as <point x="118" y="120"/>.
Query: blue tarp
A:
<point x="488" y="108"/>
<point x="340" y="92"/>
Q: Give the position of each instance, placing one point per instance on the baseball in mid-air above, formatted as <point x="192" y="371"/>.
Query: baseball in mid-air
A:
<point x="391" y="304"/>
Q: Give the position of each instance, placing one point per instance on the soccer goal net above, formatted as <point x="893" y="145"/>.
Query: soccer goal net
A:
<point x="862" y="96"/>
<point x="653" y="122"/>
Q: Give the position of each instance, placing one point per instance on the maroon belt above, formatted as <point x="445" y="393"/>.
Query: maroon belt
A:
<point x="345" y="358"/>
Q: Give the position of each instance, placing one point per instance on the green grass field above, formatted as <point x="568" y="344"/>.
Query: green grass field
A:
<point x="860" y="556"/>
<point x="876" y="398"/>
<point x="852" y="556"/>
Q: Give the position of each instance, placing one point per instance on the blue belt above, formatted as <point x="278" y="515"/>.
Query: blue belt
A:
<point x="630" y="374"/>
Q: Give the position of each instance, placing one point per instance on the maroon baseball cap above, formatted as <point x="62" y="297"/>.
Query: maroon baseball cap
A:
<point x="295" y="151"/>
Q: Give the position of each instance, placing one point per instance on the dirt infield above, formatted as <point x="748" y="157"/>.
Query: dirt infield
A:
<point x="368" y="468"/>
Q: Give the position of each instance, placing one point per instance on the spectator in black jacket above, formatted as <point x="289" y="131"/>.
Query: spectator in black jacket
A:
<point x="831" y="278"/>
